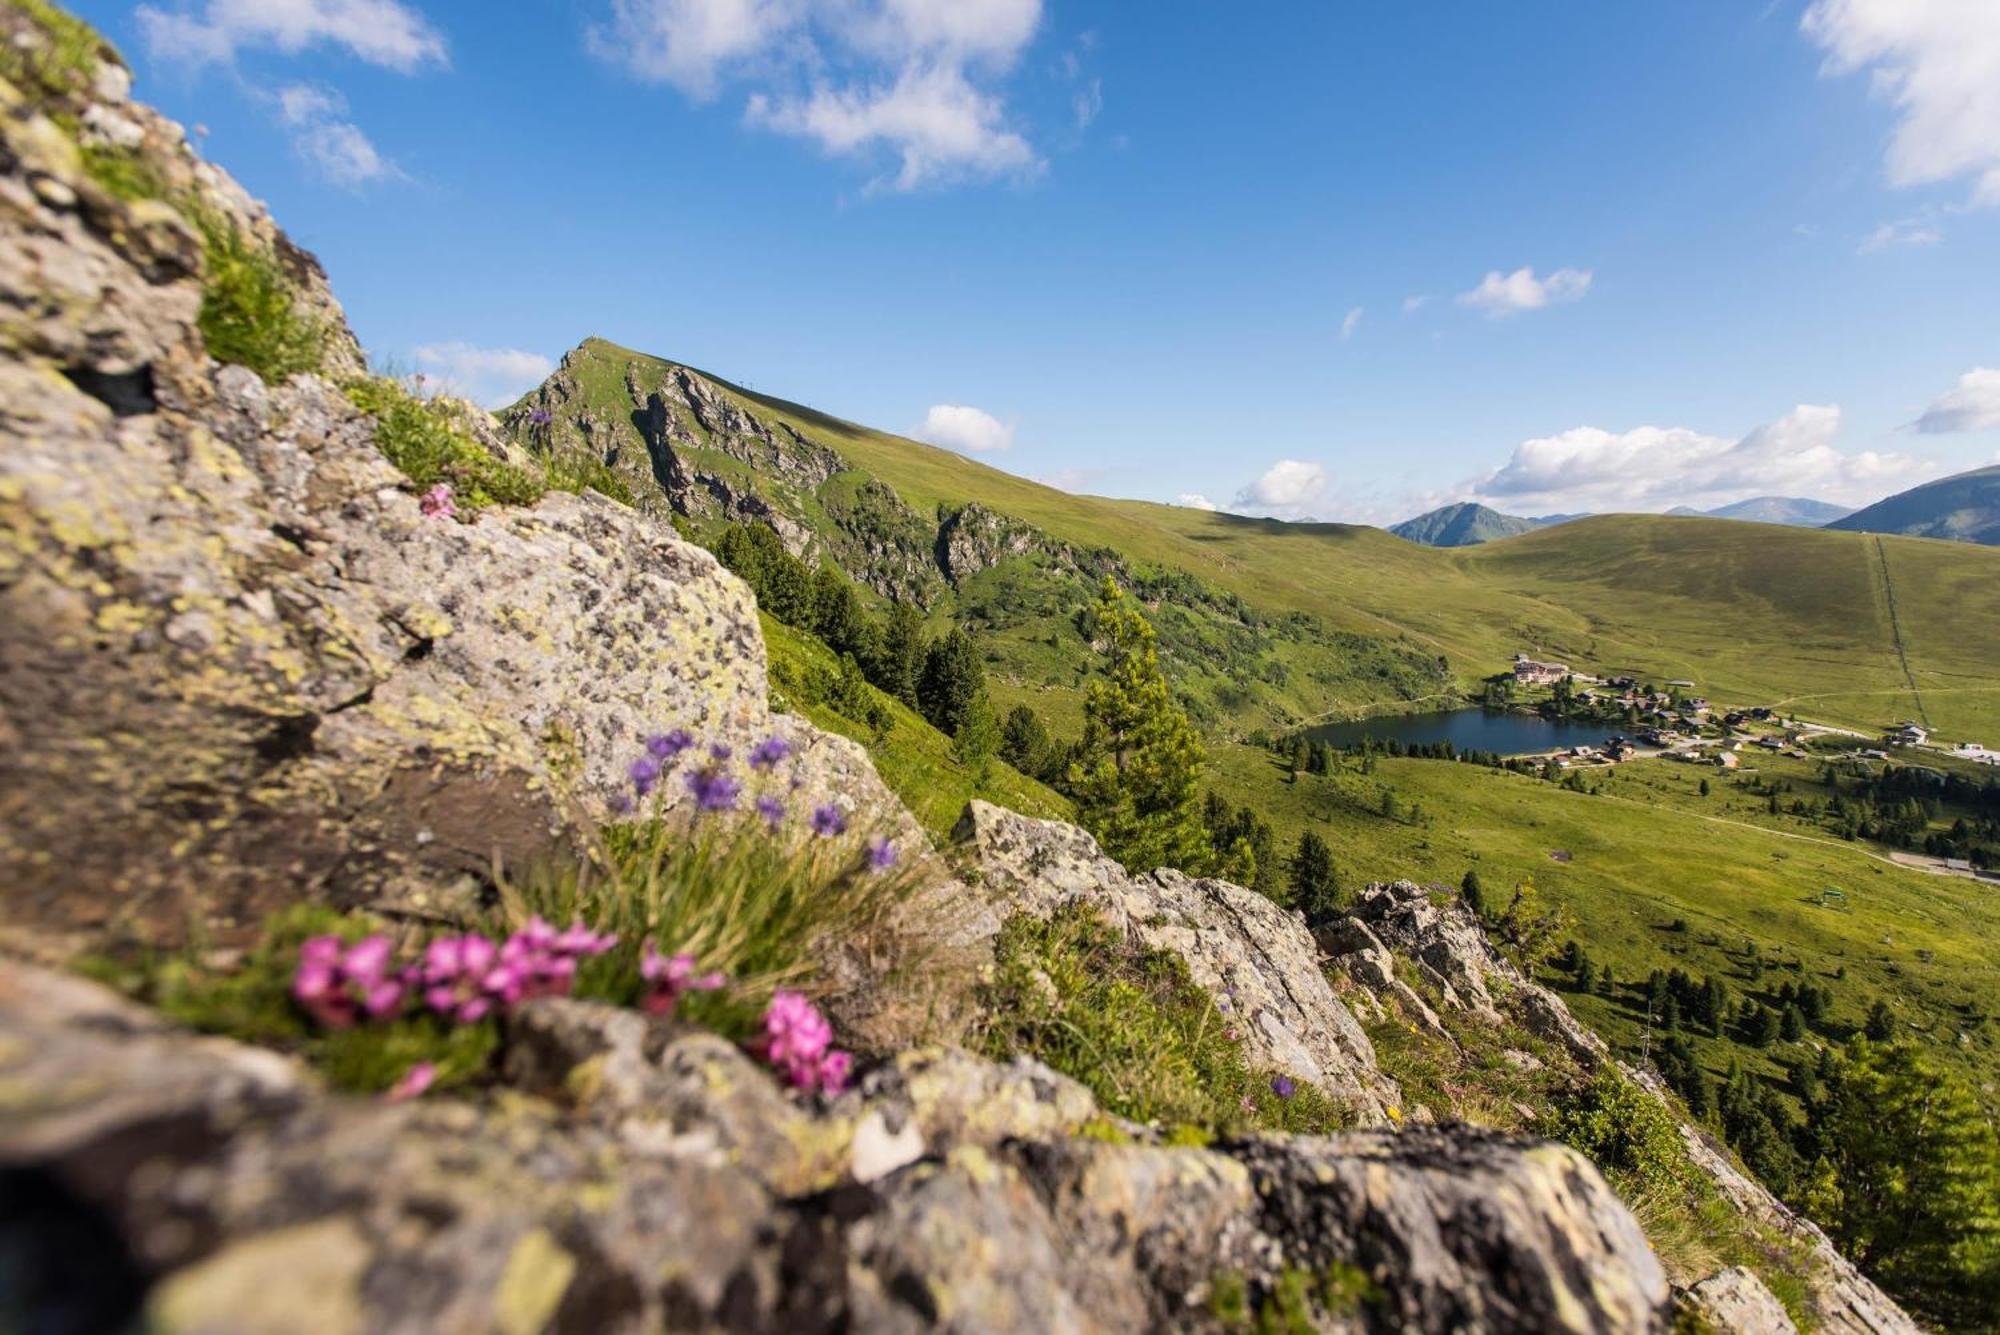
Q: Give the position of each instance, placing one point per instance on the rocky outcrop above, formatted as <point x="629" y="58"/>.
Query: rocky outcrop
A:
<point x="239" y="666"/>
<point x="1235" y="941"/>
<point x="1734" y="1300"/>
<point x="654" y="1178"/>
<point x="973" y="538"/>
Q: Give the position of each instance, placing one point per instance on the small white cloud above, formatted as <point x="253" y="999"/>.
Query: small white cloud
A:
<point x="1938" y="62"/>
<point x="1411" y="305"/>
<point x="1902" y="232"/>
<point x="381" y="32"/>
<point x="1654" y="468"/>
<point x="494" y="377"/>
<point x="1350" y="323"/>
<point x="967" y="430"/>
<point x="1289" y="489"/>
<point x="1194" y="500"/>
<point x="335" y="147"/>
<point x="1972" y="405"/>
<point x="1501" y="294"/>
<point x="1088" y="102"/>
<point x="912" y="80"/>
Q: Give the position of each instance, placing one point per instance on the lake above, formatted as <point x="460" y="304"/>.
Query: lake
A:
<point x="1469" y="730"/>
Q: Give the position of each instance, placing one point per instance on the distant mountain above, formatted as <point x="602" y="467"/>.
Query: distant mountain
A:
<point x="1965" y="508"/>
<point x="1798" y="511"/>
<point x="1467" y="524"/>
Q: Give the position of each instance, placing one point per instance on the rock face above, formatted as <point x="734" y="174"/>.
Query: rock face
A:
<point x="1735" y="1300"/>
<point x="1232" y="939"/>
<point x="664" y="1182"/>
<point x="236" y="654"/>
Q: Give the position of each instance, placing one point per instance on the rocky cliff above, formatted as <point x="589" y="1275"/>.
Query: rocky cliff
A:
<point x="243" y="665"/>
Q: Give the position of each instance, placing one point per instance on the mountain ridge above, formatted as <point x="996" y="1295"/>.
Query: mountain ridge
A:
<point x="1964" y="507"/>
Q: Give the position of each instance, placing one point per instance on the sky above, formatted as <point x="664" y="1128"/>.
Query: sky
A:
<point x="1313" y="260"/>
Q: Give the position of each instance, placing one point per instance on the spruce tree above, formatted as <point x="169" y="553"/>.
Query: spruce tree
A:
<point x="899" y="657"/>
<point x="1025" y="742"/>
<point x="1315" y="884"/>
<point x="953" y="681"/>
<point x="1137" y="770"/>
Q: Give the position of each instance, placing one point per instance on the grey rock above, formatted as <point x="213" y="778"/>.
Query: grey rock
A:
<point x="1237" y="944"/>
<point x="1735" y="1300"/>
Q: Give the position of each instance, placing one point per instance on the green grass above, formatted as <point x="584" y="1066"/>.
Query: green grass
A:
<point x="250" y="312"/>
<point x="916" y="760"/>
<point x="1651" y="851"/>
<point x="1130" y="1023"/>
<point x="422" y="439"/>
<point x="59" y="56"/>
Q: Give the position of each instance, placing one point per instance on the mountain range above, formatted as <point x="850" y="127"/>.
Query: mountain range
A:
<point x="1964" y="507"/>
<point x="1468" y="523"/>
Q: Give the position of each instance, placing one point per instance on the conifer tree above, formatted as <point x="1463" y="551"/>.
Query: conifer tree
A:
<point x="899" y="658"/>
<point x="1315" y="884"/>
<point x="953" y="681"/>
<point x="1137" y="771"/>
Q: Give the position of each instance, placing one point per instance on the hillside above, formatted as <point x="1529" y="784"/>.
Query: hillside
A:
<point x="1796" y="510"/>
<point x="1462" y="525"/>
<point x="1963" y="508"/>
<point x="1265" y="624"/>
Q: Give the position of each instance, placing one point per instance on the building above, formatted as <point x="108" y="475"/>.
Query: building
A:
<point x="1531" y="672"/>
<point x="1910" y="734"/>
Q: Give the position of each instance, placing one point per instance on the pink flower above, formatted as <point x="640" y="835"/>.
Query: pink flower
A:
<point x="667" y="976"/>
<point x="338" y="984"/>
<point x="437" y="503"/>
<point x="798" y="1042"/>
<point x="414" y="1082"/>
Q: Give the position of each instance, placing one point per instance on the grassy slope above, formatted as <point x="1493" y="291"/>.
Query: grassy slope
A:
<point x="1751" y="612"/>
<point x="1650" y="850"/>
<point x="914" y="759"/>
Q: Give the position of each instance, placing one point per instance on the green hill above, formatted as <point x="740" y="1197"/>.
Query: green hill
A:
<point x="1266" y="624"/>
<point x="1798" y="510"/>
<point x="1465" y="524"/>
<point x="1965" y="508"/>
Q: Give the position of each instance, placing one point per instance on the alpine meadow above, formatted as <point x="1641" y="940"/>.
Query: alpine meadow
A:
<point x="1395" y="727"/>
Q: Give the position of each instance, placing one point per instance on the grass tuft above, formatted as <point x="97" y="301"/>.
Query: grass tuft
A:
<point x="60" y="53"/>
<point x="250" y="314"/>
<point x="422" y="439"/>
<point x="1133" y="1026"/>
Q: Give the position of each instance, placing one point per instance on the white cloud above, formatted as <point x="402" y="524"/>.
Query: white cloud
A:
<point x="909" y="80"/>
<point x="1938" y="62"/>
<point x="1501" y="294"/>
<point x="1901" y="232"/>
<point x="1289" y="489"/>
<point x="1655" y="468"/>
<point x="1350" y="323"/>
<point x="494" y="377"/>
<point x="967" y="430"/>
<point x="1411" y="305"/>
<point x="381" y="32"/>
<point x="334" y="146"/>
<point x="1088" y="102"/>
<point x="1194" y="500"/>
<point x="1972" y="405"/>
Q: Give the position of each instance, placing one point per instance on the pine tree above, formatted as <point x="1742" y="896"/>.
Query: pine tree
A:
<point x="1792" y="1026"/>
<point x="977" y="738"/>
<point x="1881" y="1025"/>
<point x="899" y="658"/>
<point x="837" y="617"/>
<point x="953" y="681"/>
<point x="1315" y="884"/>
<point x="1469" y="890"/>
<point x="1025" y="742"/>
<point x="1137" y="772"/>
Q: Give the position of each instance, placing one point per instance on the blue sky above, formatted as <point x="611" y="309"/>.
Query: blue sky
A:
<point x="1331" y="260"/>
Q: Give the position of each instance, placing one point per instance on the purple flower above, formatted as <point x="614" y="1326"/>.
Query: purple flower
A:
<point x="1284" y="1086"/>
<point x="828" y="821"/>
<point x="720" y="750"/>
<point x="621" y="804"/>
<point x="881" y="854"/>
<point x="645" y="773"/>
<point x="772" y="810"/>
<point x="668" y="745"/>
<point x="798" y="1041"/>
<point x="713" y="790"/>
<point x="540" y="417"/>
<point x="769" y="752"/>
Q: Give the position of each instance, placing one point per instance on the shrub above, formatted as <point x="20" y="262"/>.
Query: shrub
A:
<point x="1625" y="1131"/>
<point x="424" y="440"/>
<point x="59" y="58"/>
<point x="1129" y="1023"/>
<point x="250" y="312"/>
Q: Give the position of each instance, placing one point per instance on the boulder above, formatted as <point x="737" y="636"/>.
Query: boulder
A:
<point x="1237" y="944"/>
<point x="1734" y="1300"/>
<point x="639" y="1177"/>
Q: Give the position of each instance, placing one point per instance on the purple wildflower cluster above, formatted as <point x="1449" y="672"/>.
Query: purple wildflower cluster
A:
<point x="798" y="1042"/>
<point x="438" y="502"/>
<point x="339" y="984"/>
<point x="715" y="788"/>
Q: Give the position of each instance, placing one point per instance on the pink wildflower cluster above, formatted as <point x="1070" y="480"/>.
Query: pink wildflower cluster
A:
<point x="338" y="984"/>
<point x="437" y="503"/>
<point x="667" y="976"/>
<point x="464" y="978"/>
<point x="798" y="1041"/>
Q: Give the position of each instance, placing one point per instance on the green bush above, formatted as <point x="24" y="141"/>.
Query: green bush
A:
<point x="124" y="173"/>
<point x="424" y="440"/>
<point x="1129" y="1023"/>
<point x="250" y="312"/>
<point x="61" y="58"/>
<point x="1625" y="1131"/>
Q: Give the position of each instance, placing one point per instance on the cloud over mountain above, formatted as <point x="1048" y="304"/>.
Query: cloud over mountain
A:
<point x="968" y="430"/>
<point x="1288" y="489"/>
<point x="1972" y="405"/>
